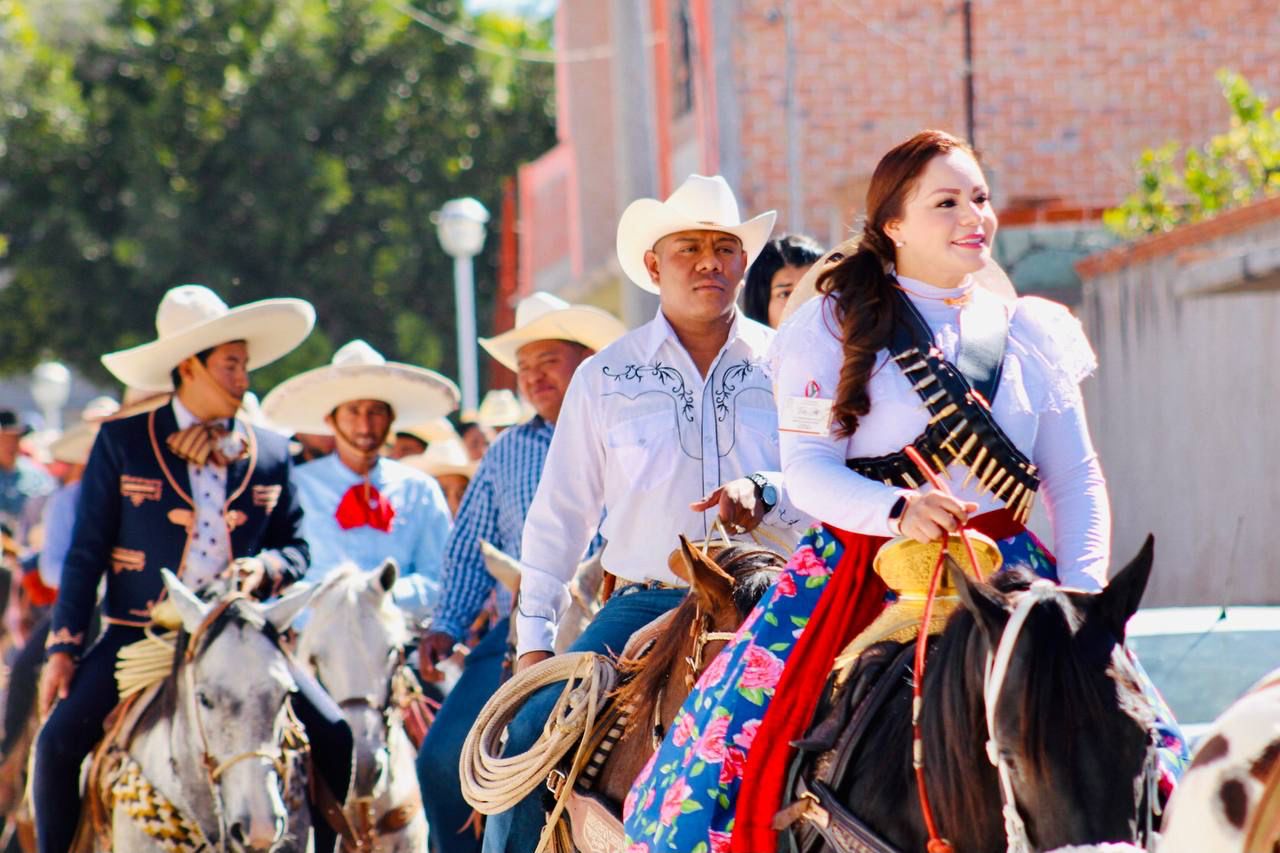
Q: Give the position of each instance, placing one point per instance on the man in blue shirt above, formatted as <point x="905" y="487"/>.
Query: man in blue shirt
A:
<point x="550" y="340"/>
<point x="359" y="506"/>
<point x="21" y="480"/>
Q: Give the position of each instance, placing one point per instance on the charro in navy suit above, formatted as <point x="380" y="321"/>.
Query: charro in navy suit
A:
<point x="136" y="515"/>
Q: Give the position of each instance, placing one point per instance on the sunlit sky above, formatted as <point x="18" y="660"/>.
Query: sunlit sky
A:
<point x="532" y="8"/>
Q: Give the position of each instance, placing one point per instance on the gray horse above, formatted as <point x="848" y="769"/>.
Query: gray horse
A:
<point x="211" y="743"/>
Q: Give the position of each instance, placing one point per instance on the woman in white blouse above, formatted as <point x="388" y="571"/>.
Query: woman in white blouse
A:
<point x="901" y="347"/>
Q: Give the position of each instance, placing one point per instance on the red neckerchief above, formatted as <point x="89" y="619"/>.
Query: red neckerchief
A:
<point x="363" y="504"/>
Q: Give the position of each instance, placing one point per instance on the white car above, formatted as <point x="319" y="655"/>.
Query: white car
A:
<point x="1204" y="658"/>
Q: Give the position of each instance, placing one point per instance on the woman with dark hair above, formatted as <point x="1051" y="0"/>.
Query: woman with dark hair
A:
<point x="773" y="275"/>
<point x="900" y="348"/>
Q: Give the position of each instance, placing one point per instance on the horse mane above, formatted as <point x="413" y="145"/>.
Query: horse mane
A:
<point x="643" y="677"/>
<point x="165" y="703"/>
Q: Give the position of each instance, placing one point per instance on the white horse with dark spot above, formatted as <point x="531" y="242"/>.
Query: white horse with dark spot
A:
<point x="211" y="744"/>
<point x="355" y="643"/>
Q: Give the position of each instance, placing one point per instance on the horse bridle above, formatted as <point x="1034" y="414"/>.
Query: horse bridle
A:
<point x="214" y="770"/>
<point x="997" y="670"/>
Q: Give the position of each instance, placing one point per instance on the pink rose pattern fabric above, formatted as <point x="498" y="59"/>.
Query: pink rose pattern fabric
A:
<point x="683" y="801"/>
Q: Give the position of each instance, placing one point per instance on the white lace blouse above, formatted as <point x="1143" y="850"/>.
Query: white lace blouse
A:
<point x="1037" y="404"/>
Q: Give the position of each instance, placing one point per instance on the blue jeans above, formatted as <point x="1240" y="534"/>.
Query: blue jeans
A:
<point x="447" y="812"/>
<point x="518" y="830"/>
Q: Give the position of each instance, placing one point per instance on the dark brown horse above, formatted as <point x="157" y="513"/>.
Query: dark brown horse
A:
<point x="1071" y="723"/>
<point x="722" y="591"/>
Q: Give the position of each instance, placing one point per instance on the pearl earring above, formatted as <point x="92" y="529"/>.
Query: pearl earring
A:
<point x="899" y="243"/>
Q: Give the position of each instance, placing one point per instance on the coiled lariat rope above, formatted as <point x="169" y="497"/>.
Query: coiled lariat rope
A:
<point x="493" y="782"/>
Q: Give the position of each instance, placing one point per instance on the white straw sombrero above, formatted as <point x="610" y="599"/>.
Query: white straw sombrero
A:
<point x="192" y="318"/>
<point x="543" y="317"/>
<point x="359" y="372"/>
<point x="73" y="446"/>
<point x="699" y="204"/>
<point x="499" y="408"/>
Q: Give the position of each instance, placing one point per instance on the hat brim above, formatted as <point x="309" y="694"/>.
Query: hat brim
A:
<point x="647" y="220"/>
<point x="583" y="324"/>
<point x="416" y="394"/>
<point x="73" y="446"/>
<point x="421" y="463"/>
<point x="271" y="329"/>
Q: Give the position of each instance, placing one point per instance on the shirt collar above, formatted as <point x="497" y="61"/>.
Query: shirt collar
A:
<point x="756" y="336"/>
<point x="344" y="476"/>
<point x="185" y="418"/>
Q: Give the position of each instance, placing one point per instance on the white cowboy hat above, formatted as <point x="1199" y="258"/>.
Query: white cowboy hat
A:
<point x="192" y="318"/>
<point x="436" y="429"/>
<point x="444" y="458"/>
<point x="358" y="372"/>
<point x="73" y="446"/>
<point x="699" y="204"/>
<point x="499" y="408"/>
<point x="545" y="317"/>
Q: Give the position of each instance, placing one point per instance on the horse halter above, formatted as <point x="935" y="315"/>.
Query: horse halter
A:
<point x="214" y="770"/>
<point x="997" y="671"/>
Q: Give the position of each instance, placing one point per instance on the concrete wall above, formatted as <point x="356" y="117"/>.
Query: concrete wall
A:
<point x="1185" y="408"/>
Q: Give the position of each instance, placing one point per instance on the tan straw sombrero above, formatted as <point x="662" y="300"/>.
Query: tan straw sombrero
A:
<point x="701" y="203"/>
<point x="444" y="458"/>
<point x="359" y="372"/>
<point x="499" y="408"/>
<point x="73" y="446"/>
<point x="436" y="429"/>
<point x="543" y="317"/>
<point x="192" y="318"/>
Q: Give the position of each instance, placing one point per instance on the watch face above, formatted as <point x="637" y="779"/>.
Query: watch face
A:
<point x="769" y="495"/>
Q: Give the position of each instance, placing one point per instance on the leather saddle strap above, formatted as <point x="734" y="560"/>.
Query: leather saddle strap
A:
<point x="399" y="817"/>
<point x="331" y="808"/>
<point x="836" y="824"/>
<point x="984" y="339"/>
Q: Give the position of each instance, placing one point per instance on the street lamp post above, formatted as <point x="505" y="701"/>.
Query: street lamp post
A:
<point x="50" y="388"/>
<point x="460" y="225"/>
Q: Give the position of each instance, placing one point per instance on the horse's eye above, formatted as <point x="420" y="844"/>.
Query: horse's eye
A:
<point x="204" y="699"/>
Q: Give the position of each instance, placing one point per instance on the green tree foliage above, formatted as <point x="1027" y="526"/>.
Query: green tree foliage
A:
<point x="262" y="147"/>
<point x="1177" y="186"/>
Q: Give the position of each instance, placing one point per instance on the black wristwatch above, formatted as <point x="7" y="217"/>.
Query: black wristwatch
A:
<point x="896" y="512"/>
<point x="767" y="493"/>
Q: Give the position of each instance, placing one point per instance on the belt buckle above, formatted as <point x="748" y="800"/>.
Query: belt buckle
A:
<point x="555" y="782"/>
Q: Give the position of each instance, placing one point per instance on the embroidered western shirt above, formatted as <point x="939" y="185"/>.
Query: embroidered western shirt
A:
<point x="493" y="509"/>
<point x="641" y="435"/>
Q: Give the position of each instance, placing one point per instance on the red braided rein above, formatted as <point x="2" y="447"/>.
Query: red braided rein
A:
<point x="936" y="843"/>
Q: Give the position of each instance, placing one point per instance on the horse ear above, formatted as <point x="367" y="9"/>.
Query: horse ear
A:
<point x="705" y="577"/>
<point x="191" y="610"/>
<point x="1119" y="599"/>
<point x="980" y="599"/>
<point x="385" y="578"/>
<point x="281" y="612"/>
<point x="504" y="568"/>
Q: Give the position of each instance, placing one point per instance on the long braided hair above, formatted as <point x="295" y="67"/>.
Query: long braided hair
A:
<point x="862" y="283"/>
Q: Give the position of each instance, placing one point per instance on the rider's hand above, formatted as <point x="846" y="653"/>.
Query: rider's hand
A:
<point x="740" y="508"/>
<point x="528" y="659"/>
<point x="248" y="574"/>
<point x="55" y="680"/>
<point x="930" y="514"/>
<point x="435" y="647"/>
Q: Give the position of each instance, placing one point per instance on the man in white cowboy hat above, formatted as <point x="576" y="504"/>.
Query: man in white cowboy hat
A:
<point x="666" y="430"/>
<point x="188" y="486"/>
<point x="550" y="339"/>
<point x="359" y="506"/>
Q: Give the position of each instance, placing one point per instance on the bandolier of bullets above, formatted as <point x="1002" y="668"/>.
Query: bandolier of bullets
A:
<point x="961" y="431"/>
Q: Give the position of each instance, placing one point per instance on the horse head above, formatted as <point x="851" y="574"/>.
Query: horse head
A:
<point x="229" y="689"/>
<point x="1064" y="714"/>
<point x="355" y="643"/>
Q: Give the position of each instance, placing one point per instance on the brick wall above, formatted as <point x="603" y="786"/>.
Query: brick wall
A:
<point x="1068" y="92"/>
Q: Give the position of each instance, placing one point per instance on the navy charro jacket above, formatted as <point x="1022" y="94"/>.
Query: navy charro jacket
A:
<point x="136" y="516"/>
